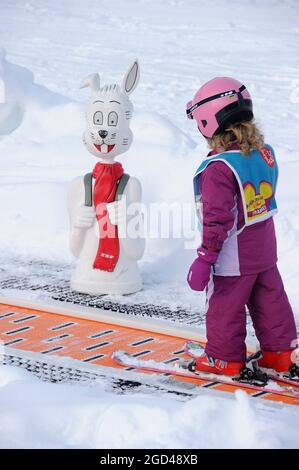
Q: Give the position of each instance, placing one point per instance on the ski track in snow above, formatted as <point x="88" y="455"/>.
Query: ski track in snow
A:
<point x="180" y="44"/>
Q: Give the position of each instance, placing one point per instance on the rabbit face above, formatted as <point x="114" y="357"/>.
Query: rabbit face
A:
<point x="108" y="116"/>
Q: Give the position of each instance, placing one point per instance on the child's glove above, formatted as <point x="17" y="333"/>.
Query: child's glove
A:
<point x="200" y="269"/>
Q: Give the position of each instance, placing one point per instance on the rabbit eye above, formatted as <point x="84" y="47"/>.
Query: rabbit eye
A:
<point x="112" y="119"/>
<point x="98" y="118"/>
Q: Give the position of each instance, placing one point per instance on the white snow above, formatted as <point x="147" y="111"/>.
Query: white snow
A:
<point x="50" y="46"/>
<point x="35" y="414"/>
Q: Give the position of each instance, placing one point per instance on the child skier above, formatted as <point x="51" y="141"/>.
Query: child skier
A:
<point x="235" y="194"/>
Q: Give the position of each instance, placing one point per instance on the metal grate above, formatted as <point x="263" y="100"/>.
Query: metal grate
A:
<point x="48" y="370"/>
<point x="52" y="281"/>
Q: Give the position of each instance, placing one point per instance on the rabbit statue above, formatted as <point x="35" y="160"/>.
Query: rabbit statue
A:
<point x="102" y="204"/>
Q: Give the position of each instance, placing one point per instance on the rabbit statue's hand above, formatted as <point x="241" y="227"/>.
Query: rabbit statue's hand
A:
<point x="85" y="217"/>
<point x="117" y="212"/>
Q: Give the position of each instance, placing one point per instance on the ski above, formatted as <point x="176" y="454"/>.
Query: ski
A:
<point x="195" y="349"/>
<point x="181" y="369"/>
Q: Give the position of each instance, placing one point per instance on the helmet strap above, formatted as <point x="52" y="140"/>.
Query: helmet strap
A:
<point x="192" y="108"/>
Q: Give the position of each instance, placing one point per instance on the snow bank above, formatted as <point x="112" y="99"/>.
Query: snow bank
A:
<point x="32" y="208"/>
<point x="20" y="94"/>
<point x="34" y="414"/>
<point x="43" y="151"/>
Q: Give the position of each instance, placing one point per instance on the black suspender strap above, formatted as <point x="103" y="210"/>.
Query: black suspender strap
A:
<point x="88" y="189"/>
<point x="121" y="186"/>
<point x="88" y="199"/>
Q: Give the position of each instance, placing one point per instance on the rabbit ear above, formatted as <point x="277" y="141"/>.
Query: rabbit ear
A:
<point x="92" y="80"/>
<point x="131" y="79"/>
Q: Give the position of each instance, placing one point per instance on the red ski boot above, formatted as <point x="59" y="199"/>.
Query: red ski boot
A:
<point x="280" y="361"/>
<point x="206" y="363"/>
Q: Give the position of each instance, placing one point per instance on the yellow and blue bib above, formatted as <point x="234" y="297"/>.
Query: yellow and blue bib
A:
<point x="256" y="175"/>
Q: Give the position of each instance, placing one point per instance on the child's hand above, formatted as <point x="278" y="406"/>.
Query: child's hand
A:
<point x="200" y="270"/>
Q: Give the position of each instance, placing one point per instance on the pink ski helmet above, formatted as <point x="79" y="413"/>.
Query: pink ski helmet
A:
<point x="218" y="104"/>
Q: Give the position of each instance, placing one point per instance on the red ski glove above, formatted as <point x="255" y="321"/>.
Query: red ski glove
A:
<point x="200" y="269"/>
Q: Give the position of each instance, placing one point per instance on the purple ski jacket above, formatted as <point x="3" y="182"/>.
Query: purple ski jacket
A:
<point x="251" y="251"/>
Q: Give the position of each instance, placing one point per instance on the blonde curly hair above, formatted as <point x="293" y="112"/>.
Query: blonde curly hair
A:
<point x="245" y="134"/>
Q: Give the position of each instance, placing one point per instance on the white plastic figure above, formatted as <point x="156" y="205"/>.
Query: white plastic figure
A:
<point x="100" y="201"/>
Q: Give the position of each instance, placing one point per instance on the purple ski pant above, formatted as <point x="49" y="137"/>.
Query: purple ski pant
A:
<point x="269" y="308"/>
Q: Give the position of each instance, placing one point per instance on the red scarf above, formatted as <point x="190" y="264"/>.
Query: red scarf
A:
<point x="107" y="177"/>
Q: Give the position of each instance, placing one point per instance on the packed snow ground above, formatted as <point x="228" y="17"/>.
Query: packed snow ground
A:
<point x="180" y="44"/>
<point x="45" y="415"/>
